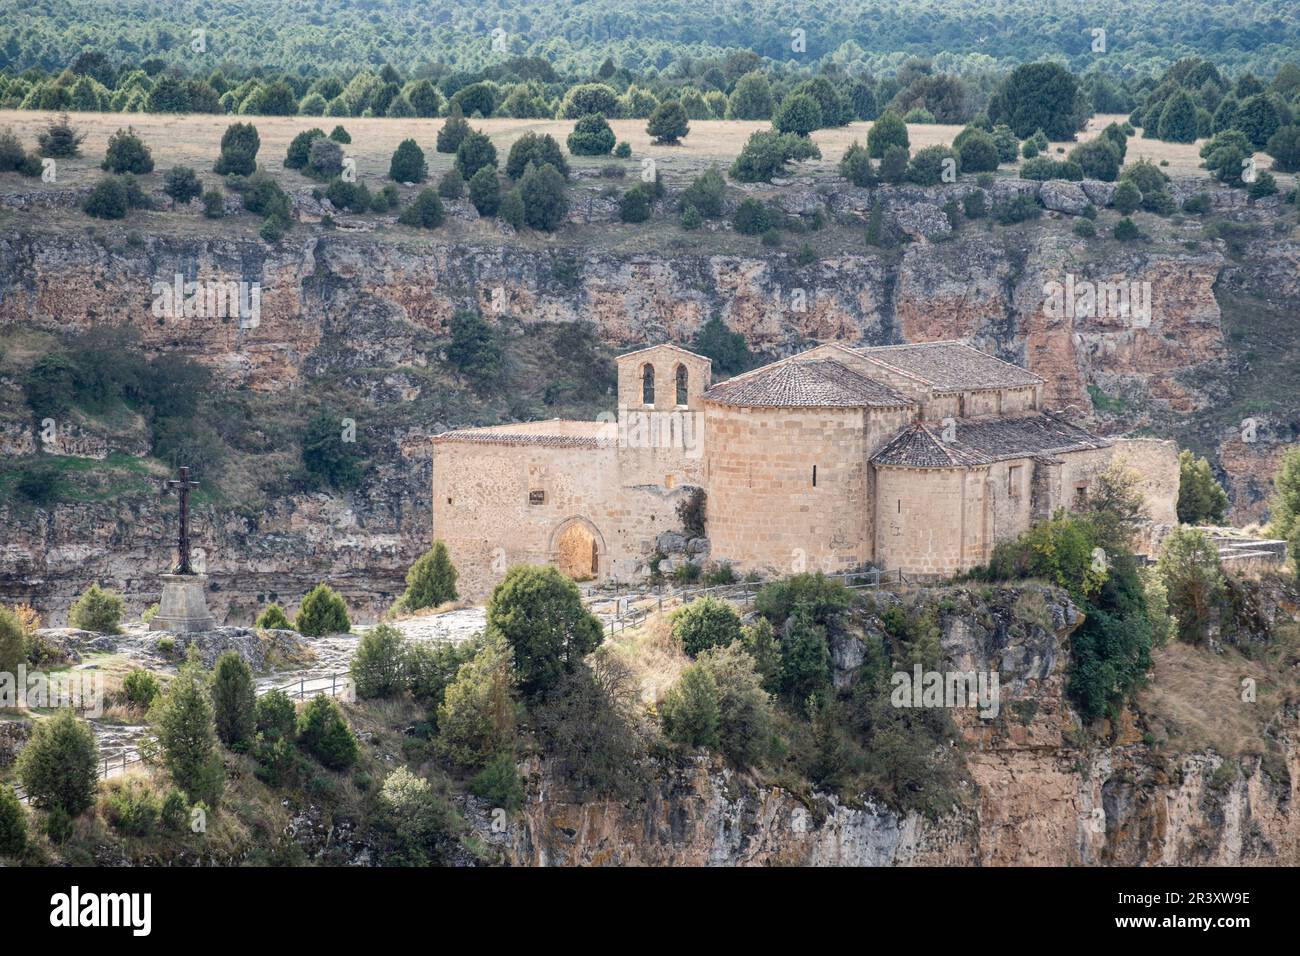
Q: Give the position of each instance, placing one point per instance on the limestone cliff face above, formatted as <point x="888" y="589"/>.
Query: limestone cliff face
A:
<point x="368" y="309"/>
<point x="1035" y="797"/>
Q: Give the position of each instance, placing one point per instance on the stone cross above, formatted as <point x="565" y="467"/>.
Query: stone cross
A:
<point x="183" y="484"/>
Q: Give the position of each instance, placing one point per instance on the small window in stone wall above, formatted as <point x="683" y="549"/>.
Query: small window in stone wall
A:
<point x="681" y="385"/>
<point x="648" y="385"/>
<point x="1013" y="481"/>
<point x="537" y="497"/>
<point x="814" y="476"/>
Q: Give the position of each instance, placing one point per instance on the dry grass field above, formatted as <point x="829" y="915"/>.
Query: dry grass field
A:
<point x="193" y="140"/>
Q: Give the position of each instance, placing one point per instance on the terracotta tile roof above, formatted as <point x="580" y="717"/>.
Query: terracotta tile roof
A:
<point x="981" y="441"/>
<point x="950" y="366"/>
<point x="555" y="433"/>
<point x="816" y="383"/>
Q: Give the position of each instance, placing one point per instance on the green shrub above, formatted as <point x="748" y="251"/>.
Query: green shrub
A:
<point x="856" y="167"/>
<point x="930" y="166"/>
<point x="1042" y="169"/>
<point x="689" y="710"/>
<point x="13" y="642"/>
<point x="668" y="124"/>
<point x="474" y="152"/>
<point x="97" y="610"/>
<point x="132" y="808"/>
<point x="107" y="200"/>
<point x="60" y="139"/>
<point x="893" y="167"/>
<point x="451" y="185"/>
<point x="1019" y="209"/>
<point x="691" y="218"/>
<point x="634" y="206"/>
<point x="705" y="193"/>
<point x="214" y="204"/>
<point x="325" y="734"/>
<point x="975" y="204"/>
<point x="182" y="184"/>
<point x="431" y="580"/>
<point x="59" y="765"/>
<point x="1098" y="159"/>
<point x="299" y="148"/>
<point x="13" y="823"/>
<point x="233" y="700"/>
<point x="1126" y="230"/>
<point x="499" y="783"/>
<point x="476" y="719"/>
<point x="274" y="619"/>
<point x="623" y="150"/>
<point x="127" y="153"/>
<point x="544" y="202"/>
<point x="424" y="212"/>
<point x="379" y="664"/>
<point x="887" y="131"/>
<point x="1201" y="499"/>
<point x="408" y="164"/>
<point x="474" y="350"/>
<point x="824" y="597"/>
<point x="183" y="720"/>
<point x="751" y="218"/>
<point x="485" y="191"/>
<point x="704" y="623"/>
<point x="416" y="819"/>
<point x="275" y="716"/>
<point x="977" y="149"/>
<point x="805" y="670"/>
<point x="591" y="136"/>
<point x="322" y="612"/>
<point x="175" y="811"/>
<point x="540" y="614"/>
<point x="140" y="687"/>
<point x="744" y="708"/>
<point x="1127" y="198"/>
<point x="537" y="150"/>
<point x="766" y="153"/>
<point x="1084" y="229"/>
<point x="239" y="146"/>
<point x="511" y="209"/>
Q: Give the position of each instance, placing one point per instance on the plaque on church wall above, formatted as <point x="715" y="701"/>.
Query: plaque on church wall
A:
<point x="537" y="497"/>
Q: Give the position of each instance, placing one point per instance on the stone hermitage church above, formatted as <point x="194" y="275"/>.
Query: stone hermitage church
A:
<point x="919" y="457"/>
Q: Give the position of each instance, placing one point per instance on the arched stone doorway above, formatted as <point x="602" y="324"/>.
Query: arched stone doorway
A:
<point x="577" y="549"/>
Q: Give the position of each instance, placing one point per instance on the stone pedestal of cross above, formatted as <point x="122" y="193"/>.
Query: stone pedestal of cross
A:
<point x="183" y="608"/>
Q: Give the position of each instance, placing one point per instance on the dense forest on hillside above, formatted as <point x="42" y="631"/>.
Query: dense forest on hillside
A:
<point x="1142" y="36"/>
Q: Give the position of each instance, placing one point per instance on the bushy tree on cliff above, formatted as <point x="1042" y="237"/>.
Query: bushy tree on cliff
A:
<point x="184" y="721"/>
<point x="1201" y="499"/>
<point x="1189" y="567"/>
<point x="705" y="623"/>
<point x="13" y="642"/>
<point x="540" y="614"/>
<point x="379" y="665"/>
<point x="431" y="580"/>
<point x="97" y="610"/>
<point x="322" y="612"/>
<point x="58" y="766"/>
<point x="889" y="130"/>
<point x="233" y="700"/>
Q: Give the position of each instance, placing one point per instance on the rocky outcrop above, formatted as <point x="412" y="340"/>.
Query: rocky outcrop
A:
<point x="1041" y="793"/>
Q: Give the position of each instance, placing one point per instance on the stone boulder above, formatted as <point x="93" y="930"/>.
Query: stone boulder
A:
<point x="671" y="542"/>
<point x="75" y="642"/>
<point x="921" y="220"/>
<point x="1099" y="193"/>
<point x="252" y="644"/>
<point x="1061" y="196"/>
